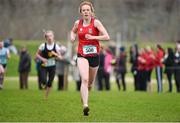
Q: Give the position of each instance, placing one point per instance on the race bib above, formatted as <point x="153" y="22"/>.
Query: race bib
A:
<point x="3" y="61"/>
<point x="89" y="49"/>
<point x="50" y="62"/>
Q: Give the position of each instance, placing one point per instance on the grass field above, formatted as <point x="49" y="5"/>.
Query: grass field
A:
<point x="29" y="105"/>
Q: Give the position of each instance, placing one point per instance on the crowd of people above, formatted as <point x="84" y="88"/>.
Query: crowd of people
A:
<point x="143" y="61"/>
<point x="92" y="59"/>
<point x="146" y="59"/>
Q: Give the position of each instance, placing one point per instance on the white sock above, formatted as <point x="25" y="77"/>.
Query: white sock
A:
<point x="85" y="105"/>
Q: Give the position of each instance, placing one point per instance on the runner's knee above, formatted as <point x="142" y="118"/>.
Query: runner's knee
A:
<point x="84" y="80"/>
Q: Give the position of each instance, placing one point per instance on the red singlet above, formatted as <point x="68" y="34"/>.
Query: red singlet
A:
<point x="88" y="47"/>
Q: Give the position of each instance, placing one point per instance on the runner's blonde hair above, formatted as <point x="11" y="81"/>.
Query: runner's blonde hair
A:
<point x="87" y="3"/>
<point x="47" y="31"/>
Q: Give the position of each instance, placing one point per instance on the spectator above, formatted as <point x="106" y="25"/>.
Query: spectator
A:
<point x="134" y="64"/>
<point x="101" y="72"/>
<point x="24" y="68"/>
<point x="169" y="66"/>
<point x="107" y="67"/>
<point x="150" y="57"/>
<point x="177" y="66"/>
<point x="75" y="73"/>
<point x="159" y="66"/>
<point x="121" y="68"/>
<point x="60" y="68"/>
<point x="142" y="73"/>
<point x="8" y="43"/>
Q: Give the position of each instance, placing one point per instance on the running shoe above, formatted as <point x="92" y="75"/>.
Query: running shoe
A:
<point x="86" y="111"/>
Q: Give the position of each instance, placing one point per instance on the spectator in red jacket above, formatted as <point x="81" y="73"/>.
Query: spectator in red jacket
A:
<point x="159" y="66"/>
<point x="142" y="73"/>
<point x="150" y="65"/>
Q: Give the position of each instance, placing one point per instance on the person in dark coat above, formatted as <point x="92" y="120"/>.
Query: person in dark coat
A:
<point x="177" y="66"/>
<point x="121" y="69"/>
<point x="101" y="72"/>
<point x="169" y="66"/>
<point x="134" y="64"/>
<point x="24" y="68"/>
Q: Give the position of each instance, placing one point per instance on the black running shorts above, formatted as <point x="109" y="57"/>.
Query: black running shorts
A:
<point x="93" y="60"/>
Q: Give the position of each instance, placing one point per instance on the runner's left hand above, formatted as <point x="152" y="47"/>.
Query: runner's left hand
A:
<point x="89" y="37"/>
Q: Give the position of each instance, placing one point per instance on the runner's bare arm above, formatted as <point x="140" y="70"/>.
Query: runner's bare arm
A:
<point x="74" y="31"/>
<point x="44" y="60"/>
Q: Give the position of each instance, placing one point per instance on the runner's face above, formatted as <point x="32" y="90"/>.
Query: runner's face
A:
<point x="86" y="11"/>
<point x="49" y="37"/>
